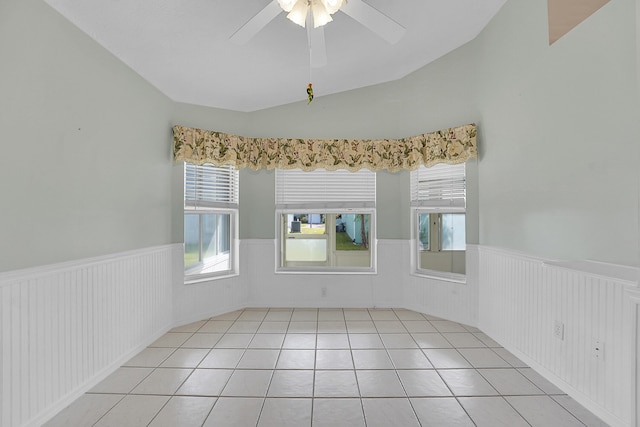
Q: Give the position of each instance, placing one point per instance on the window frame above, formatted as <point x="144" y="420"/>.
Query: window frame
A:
<point x="323" y="201"/>
<point x="318" y="269"/>
<point x="443" y="203"/>
<point x="229" y="206"/>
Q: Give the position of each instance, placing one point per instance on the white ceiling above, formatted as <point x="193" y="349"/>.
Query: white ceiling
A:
<point x="183" y="47"/>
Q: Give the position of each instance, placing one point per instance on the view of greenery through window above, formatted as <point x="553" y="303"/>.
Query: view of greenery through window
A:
<point x="315" y="224"/>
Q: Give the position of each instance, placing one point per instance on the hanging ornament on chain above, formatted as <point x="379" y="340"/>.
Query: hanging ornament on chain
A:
<point x="309" y="93"/>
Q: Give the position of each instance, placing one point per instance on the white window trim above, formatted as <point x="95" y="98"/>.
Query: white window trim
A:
<point x="453" y="201"/>
<point x="415" y="253"/>
<point x="233" y="252"/>
<point x="229" y="206"/>
<point x="327" y="270"/>
<point x="325" y="193"/>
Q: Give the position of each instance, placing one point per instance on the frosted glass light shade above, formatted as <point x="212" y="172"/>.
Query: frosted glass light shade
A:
<point x="287" y="5"/>
<point x="332" y="6"/>
<point x="320" y="14"/>
<point x="299" y="12"/>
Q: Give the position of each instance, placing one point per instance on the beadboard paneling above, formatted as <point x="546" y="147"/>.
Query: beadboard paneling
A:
<point x="64" y="326"/>
<point x="522" y="298"/>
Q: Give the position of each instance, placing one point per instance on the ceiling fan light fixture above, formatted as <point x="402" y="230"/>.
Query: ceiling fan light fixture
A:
<point x="299" y="12"/>
<point x="332" y="6"/>
<point x="287" y="5"/>
<point x="320" y="14"/>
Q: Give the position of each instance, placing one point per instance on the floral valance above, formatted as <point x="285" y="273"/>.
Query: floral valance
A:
<point x="454" y="145"/>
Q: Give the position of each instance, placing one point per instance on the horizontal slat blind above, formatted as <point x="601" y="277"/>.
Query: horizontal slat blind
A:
<point x="325" y="189"/>
<point x="210" y="186"/>
<point x="441" y="185"/>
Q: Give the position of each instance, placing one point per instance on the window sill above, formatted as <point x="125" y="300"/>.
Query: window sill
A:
<point x="294" y="270"/>
<point x="444" y="277"/>
<point x="190" y="280"/>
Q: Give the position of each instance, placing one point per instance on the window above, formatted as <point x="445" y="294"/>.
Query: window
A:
<point x="326" y="220"/>
<point x="210" y="217"/>
<point x="438" y="199"/>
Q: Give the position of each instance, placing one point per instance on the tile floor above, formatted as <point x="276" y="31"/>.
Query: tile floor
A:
<point x="324" y="367"/>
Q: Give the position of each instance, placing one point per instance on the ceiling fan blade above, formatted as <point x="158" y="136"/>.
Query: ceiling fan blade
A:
<point x="317" y="47"/>
<point x="257" y="23"/>
<point x="374" y="20"/>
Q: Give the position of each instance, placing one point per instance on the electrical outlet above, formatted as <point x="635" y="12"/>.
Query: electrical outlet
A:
<point x="598" y="349"/>
<point x="323" y="291"/>
<point x="558" y="330"/>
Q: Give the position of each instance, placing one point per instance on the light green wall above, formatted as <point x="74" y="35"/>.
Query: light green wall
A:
<point x="86" y="166"/>
<point x="559" y="134"/>
<point x="411" y="106"/>
<point x="85" y="163"/>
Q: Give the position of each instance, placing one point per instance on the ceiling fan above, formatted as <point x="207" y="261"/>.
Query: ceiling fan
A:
<point x="319" y="12"/>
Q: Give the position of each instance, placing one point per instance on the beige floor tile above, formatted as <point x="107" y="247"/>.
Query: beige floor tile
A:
<point x="379" y="383"/>
<point x="332" y="341"/>
<point x="150" y="357"/>
<point x="543" y="411"/>
<point x="296" y="359"/>
<point x="202" y="340"/>
<point x="248" y="383"/>
<point x="336" y="384"/>
<point x="123" y="380"/>
<point x="226" y="358"/>
<point x="244" y="327"/>
<point x="334" y="359"/>
<point x="371" y="359"/>
<point x="483" y="358"/>
<point x="325" y="314"/>
<point x="418" y="326"/>
<point x="398" y="341"/>
<point x="365" y="341"/>
<point x="133" y="411"/>
<point x="267" y="341"/>
<point x="492" y="412"/>
<point x="184" y="411"/>
<point x="275" y="327"/>
<point x="85" y="411"/>
<point x="285" y="412"/>
<point x="423" y="383"/>
<point x="234" y="412"/>
<point x="430" y="340"/>
<point x="205" y="382"/>
<point x="185" y="358"/>
<point x="258" y="359"/>
<point x="446" y="358"/>
<point x="163" y="381"/>
<point x="337" y="413"/>
<point x="467" y="382"/>
<point x="409" y="359"/>
<point x="389" y="412"/>
<point x="440" y="412"/>
<point x="300" y="341"/>
<point x="171" y="339"/>
<point x="291" y="383"/>
<point x="216" y="326"/>
<point x="508" y="381"/>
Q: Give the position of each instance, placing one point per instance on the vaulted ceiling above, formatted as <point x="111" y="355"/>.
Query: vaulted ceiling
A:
<point x="184" y="49"/>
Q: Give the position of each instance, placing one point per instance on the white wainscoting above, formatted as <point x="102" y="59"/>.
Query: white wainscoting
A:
<point x="392" y="286"/>
<point x="265" y="288"/>
<point x="197" y="301"/>
<point x="66" y="326"/>
<point x="449" y="300"/>
<point x="523" y="298"/>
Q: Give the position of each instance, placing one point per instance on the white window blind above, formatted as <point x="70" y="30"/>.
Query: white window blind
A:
<point x="209" y="186"/>
<point x="325" y="189"/>
<point x="441" y="185"/>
